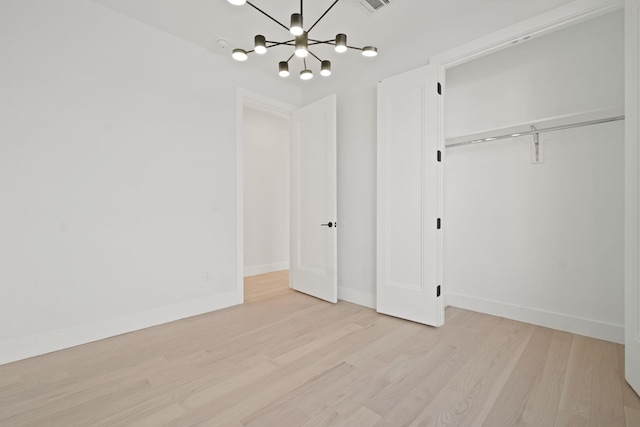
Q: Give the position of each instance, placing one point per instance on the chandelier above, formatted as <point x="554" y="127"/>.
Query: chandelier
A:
<point x="300" y="43"/>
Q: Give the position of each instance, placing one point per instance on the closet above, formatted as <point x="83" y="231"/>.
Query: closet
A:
<point x="532" y="188"/>
<point x="535" y="222"/>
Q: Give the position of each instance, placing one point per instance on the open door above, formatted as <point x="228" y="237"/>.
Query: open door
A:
<point x="632" y="205"/>
<point x="410" y="144"/>
<point x="313" y="250"/>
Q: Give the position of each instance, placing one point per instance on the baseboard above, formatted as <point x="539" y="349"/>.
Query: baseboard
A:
<point x="266" y="268"/>
<point x="11" y="351"/>
<point x="577" y="325"/>
<point x="357" y="297"/>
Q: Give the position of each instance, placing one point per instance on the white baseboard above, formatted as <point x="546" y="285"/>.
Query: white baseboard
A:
<point x="357" y="297"/>
<point x="11" y="351"/>
<point x="563" y="322"/>
<point x="266" y="268"/>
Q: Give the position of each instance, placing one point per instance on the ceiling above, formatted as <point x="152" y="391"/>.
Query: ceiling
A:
<point x="405" y="30"/>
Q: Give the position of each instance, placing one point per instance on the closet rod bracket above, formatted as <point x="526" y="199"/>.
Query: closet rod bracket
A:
<point x="536" y="147"/>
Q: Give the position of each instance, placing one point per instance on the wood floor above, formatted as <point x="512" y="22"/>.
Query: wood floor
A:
<point x="286" y="359"/>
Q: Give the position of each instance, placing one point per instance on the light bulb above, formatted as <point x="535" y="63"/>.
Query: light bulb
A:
<point x="283" y="69"/>
<point x="369" y="51"/>
<point x="239" y="55"/>
<point x="237" y="2"/>
<point x="341" y="43"/>
<point x="260" y="45"/>
<point x="296" y="24"/>
<point x="306" y="75"/>
<point x="325" y="68"/>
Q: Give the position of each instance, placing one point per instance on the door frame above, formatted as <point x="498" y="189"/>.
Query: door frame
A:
<point x="632" y="197"/>
<point x="243" y="96"/>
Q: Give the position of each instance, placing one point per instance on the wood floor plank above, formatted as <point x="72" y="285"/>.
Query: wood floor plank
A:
<point x="541" y="407"/>
<point x="401" y="402"/>
<point x="326" y="418"/>
<point x="462" y="399"/>
<point x="510" y="405"/>
<point x="284" y="358"/>
<point x="574" y="407"/>
<point x="362" y="417"/>
<point x="607" y="405"/>
<point x="304" y="398"/>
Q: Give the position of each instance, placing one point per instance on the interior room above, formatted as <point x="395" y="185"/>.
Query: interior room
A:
<point x="431" y="219"/>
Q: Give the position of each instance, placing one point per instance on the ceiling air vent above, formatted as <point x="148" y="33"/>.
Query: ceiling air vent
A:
<point x="373" y="6"/>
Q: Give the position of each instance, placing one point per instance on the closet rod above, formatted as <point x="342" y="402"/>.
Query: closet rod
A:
<point x="532" y="132"/>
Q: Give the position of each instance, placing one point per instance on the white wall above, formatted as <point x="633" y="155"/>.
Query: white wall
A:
<point x="266" y="190"/>
<point x="541" y="243"/>
<point x="117" y="172"/>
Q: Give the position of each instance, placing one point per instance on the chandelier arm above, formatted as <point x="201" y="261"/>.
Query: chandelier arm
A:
<point x="292" y="55"/>
<point x="287" y="43"/>
<point x="267" y="15"/>
<point x="314" y="55"/>
<point x="301" y="4"/>
<point x="322" y="16"/>
<point x="329" y="42"/>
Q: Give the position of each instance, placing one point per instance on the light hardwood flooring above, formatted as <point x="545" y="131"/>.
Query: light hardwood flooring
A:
<point x="286" y="359"/>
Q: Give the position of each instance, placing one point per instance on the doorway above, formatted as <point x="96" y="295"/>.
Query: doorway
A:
<point x="263" y="129"/>
<point x="266" y="189"/>
<point x="313" y="192"/>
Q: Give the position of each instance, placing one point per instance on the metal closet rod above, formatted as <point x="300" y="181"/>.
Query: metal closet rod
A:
<point x="536" y="131"/>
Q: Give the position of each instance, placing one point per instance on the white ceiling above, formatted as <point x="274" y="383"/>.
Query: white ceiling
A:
<point x="403" y="27"/>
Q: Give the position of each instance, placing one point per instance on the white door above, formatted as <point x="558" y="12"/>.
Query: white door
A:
<point x="632" y="183"/>
<point x="410" y="144"/>
<point x="313" y="265"/>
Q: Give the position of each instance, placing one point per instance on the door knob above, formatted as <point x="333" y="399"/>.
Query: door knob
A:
<point x="329" y="224"/>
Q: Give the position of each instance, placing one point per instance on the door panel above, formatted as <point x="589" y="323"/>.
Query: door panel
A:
<point x="409" y="250"/>
<point x="313" y="200"/>
<point x="404" y="156"/>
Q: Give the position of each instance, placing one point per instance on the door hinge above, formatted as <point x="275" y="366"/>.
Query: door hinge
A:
<point x="439" y="155"/>
<point x="438" y="224"/>
<point x="439" y="89"/>
<point x="438" y="291"/>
